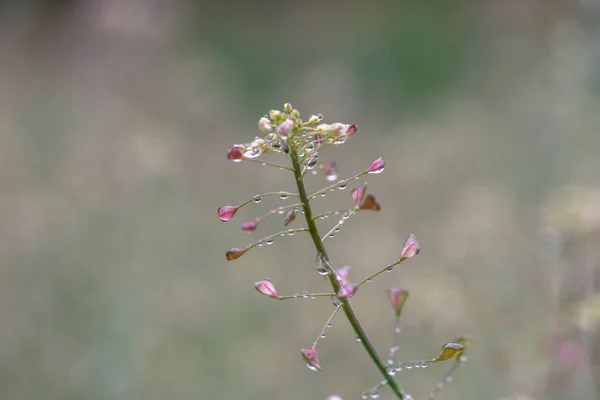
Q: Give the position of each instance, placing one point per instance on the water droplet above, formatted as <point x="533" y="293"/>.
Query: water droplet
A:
<point x="389" y="268"/>
<point x="310" y="164"/>
<point x="323" y="335"/>
<point x="283" y="196"/>
<point x="331" y="235"/>
<point x="329" y="324"/>
<point x="374" y="395"/>
<point x="264" y="164"/>
<point x="358" y="339"/>
<point x="321" y="267"/>
<point x="320" y="116"/>
<point x="424" y="365"/>
<point x="391" y="372"/>
<point x="323" y="194"/>
<point x="257" y="198"/>
<point x="331" y="189"/>
<point x="335" y="301"/>
<point x="269" y="240"/>
<point x="342" y="185"/>
<point x="440" y="385"/>
<point x="281" y="211"/>
<point x="259" y="244"/>
<point x="397" y="329"/>
<point x="291" y="232"/>
<point x="310" y="146"/>
<point x="369" y="280"/>
<point x="364" y="396"/>
<point x="398" y="368"/>
<point x="311" y="367"/>
<point x="337" y="228"/>
<point x="448" y="378"/>
<point x="314" y="172"/>
<point x="390" y="361"/>
<point x="304" y="294"/>
<point x="345" y="215"/>
<point x="408" y="365"/>
<point x="462" y="358"/>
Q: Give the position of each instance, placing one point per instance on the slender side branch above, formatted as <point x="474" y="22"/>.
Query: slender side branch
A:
<point x="322" y="253"/>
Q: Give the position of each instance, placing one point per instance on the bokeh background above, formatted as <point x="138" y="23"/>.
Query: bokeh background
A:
<point x="115" y="118"/>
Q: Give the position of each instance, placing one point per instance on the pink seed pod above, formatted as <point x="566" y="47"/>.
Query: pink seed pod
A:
<point x="376" y="167"/>
<point x="267" y="288"/>
<point x="226" y="212"/>
<point x="411" y="247"/>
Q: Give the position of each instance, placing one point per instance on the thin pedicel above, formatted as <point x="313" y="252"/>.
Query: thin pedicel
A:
<point x="287" y="135"/>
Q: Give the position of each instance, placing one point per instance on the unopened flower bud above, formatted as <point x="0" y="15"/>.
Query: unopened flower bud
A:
<point x="322" y="128"/>
<point x="249" y="226"/>
<point x="275" y="115"/>
<point x="235" y="253"/>
<point x="226" y="212"/>
<point x="369" y="203"/>
<point x="289" y="217"/>
<point x="411" y="247"/>
<point x="376" y="167"/>
<point x="285" y="127"/>
<point x="314" y="119"/>
<point x="236" y="153"/>
<point x="267" y="288"/>
<point x="341" y="274"/>
<point x="358" y="194"/>
<point x="347" y="290"/>
<point x="397" y="299"/>
<point x="287" y="108"/>
<point x="311" y="358"/>
<point x="337" y="129"/>
<point x="351" y="130"/>
<point x="264" y="125"/>
<point x="295" y="114"/>
<point x="449" y="350"/>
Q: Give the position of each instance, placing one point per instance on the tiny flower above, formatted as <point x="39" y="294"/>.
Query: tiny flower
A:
<point x="358" y="194"/>
<point x="411" y="247"/>
<point x="341" y="274"/>
<point x="236" y="153"/>
<point x="347" y="290"/>
<point x="397" y="299"/>
<point x="249" y="226"/>
<point x="264" y="125"/>
<point x="289" y="217"/>
<point x="287" y="107"/>
<point x="311" y="358"/>
<point x="285" y="127"/>
<point x="314" y="119"/>
<point x="351" y="129"/>
<point x="330" y="171"/>
<point x="369" y="203"/>
<point x="267" y="288"/>
<point x="226" y="213"/>
<point x="235" y="253"/>
<point x="376" y="167"/>
<point x="337" y="129"/>
<point x="322" y="128"/>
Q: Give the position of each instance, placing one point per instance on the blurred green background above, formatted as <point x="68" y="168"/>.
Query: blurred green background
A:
<point x="115" y="118"/>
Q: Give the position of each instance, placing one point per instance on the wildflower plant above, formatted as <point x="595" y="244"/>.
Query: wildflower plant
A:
<point x="299" y="143"/>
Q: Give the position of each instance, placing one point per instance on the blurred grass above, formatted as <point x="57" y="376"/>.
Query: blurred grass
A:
<point x="114" y="121"/>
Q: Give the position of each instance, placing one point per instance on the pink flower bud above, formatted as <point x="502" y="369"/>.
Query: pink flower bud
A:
<point x="285" y="127"/>
<point x="347" y="290"/>
<point x="226" y="213"/>
<point x="376" y="167"/>
<point x="318" y="139"/>
<point x="235" y="253"/>
<point x="249" y="226"/>
<point x="341" y="274"/>
<point x="397" y="299"/>
<point x="369" y="203"/>
<point x="289" y="217"/>
<point x="236" y="153"/>
<point x="311" y="358"/>
<point x="267" y="288"/>
<point x="358" y="194"/>
<point x="411" y="247"/>
<point x="351" y="129"/>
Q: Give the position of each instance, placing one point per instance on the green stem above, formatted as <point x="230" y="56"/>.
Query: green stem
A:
<point x="346" y="305"/>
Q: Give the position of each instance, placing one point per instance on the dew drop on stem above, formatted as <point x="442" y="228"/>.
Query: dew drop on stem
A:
<point x="269" y="240"/>
<point x="257" y="198"/>
<point x="283" y="195"/>
<point x="342" y="185"/>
